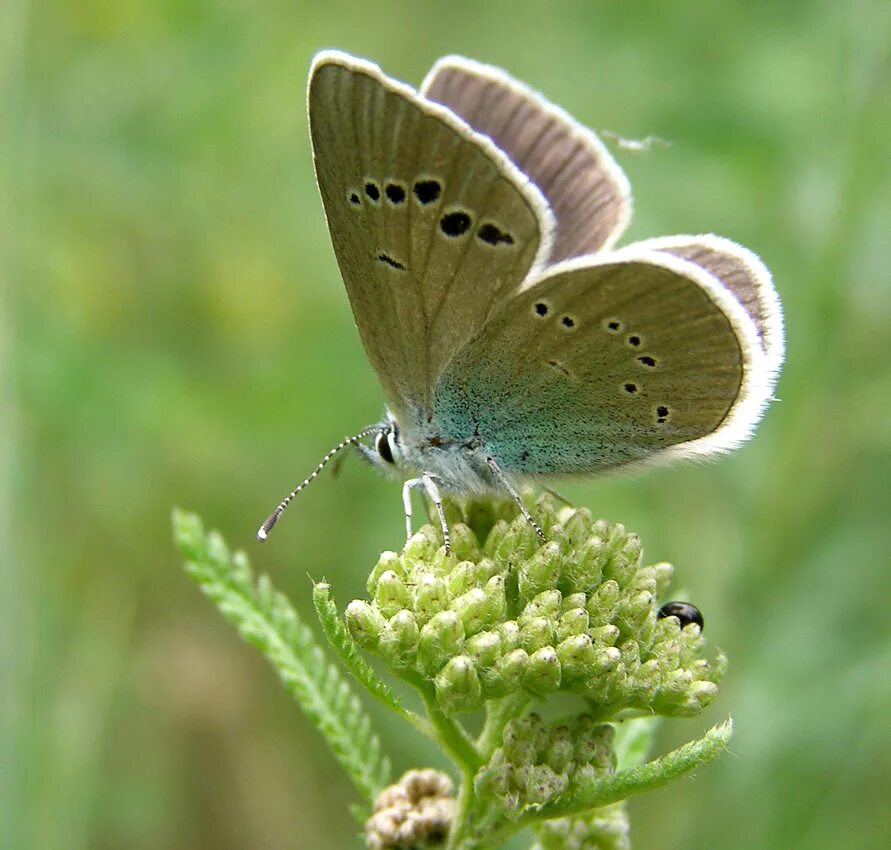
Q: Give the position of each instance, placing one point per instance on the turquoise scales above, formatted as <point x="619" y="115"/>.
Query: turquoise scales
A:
<point x="474" y="225"/>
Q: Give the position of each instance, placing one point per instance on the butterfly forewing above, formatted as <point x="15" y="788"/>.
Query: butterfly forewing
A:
<point x="602" y="365"/>
<point x="431" y="224"/>
<point x="586" y="189"/>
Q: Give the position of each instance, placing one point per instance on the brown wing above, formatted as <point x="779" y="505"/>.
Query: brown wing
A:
<point x="742" y="272"/>
<point x="631" y="358"/>
<point x="584" y="185"/>
<point x="431" y="224"/>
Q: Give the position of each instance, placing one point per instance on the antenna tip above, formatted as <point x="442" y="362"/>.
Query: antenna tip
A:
<point x="263" y="531"/>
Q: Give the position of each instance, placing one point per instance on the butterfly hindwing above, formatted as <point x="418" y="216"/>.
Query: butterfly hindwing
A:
<point x="431" y="224"/>
<point x="606" y="363"/>
<point x="742" y="273"/>
<point x="588" y="192"/>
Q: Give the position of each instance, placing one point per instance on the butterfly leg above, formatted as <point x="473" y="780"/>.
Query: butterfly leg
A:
<point x="407" y="487"/>
<point x="426" y="483"/>
<point x="433" y="493"/>
<point x="503" y="480"/>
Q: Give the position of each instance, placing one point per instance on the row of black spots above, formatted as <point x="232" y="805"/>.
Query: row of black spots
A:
<point x="452" y="224"/>
<point x="633" y="340"/>
<point x="541" y="309"/>
<point x="394" y="192"/>
<point x="615" y="326"/>
<point x="662" y="412"/>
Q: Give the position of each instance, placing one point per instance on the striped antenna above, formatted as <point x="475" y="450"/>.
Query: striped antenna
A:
<point x="263" y="531"/>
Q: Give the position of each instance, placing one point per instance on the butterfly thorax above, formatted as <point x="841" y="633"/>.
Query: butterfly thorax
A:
<point x="459" y="464"/>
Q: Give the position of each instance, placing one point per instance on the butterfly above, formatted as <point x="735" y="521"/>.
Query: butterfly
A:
<point x="474" y="225"/>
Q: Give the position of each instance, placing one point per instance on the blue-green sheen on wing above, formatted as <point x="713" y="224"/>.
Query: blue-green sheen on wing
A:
<point x="599" y="365"/>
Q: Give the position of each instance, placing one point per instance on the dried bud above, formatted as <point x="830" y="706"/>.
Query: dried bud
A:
<point x="417" y="810"/>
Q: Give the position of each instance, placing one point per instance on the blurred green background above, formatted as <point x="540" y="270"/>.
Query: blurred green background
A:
<point x="173" y="330"/>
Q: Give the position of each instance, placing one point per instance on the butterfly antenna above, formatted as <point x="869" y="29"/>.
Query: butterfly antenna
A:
<point x="263" y="531"/>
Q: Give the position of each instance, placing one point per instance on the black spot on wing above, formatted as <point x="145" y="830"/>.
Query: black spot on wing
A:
<point x="427" y="191"/>
<point x="454" y="224"/>
<point x="393" y="264"/>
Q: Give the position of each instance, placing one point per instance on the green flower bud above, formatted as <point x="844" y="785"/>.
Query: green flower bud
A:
<point x="536" y="632"/>
<point x="537" y="784"/>
<point x="472" y="608"/>
<point x="518" y="543"/>
<point x="399" y="639"/>
<point x="605" y="828"/>
<point x="441" y="638"/>
<point x="465" y="546"/>
<point x="496" y="601"/>
<point x="573" y="622"/>
<point x="574" y="600"/>
<point x="496" y="538"/>
<point x="561" y="750"/>
<point x="542" y="673"/>
<point x="365" y="623"/>
<point x="462" y="578"/>
<point x="577" y="657"/>
<point x="537" y="763"/>
<point x="546" y="604"/>
<point x="423" y="544"/>
<point x="602" y="603"/>
<point x="391" y="594"/>
<point x="663" y="573"/>
<point x="431" y="595"/>
<point x="389" y="561"/>
<point x="510" y="669"/>
<point x="632" y="611"/>
<point x="607" y="635"/>
<point x="458" y="686"/>
<point x="510" y="635"/>
<point x="577" y="526"/>
<point x="521" y="740"/>
<point x="484" y="648"/>
<point x="644" y="685"/>
<point x="541" y="571"/>
<point x="583" y="571"/>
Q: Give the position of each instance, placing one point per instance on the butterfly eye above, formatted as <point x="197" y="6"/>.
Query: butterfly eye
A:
<point x="685" y="613"/>
<point x="382" y="446"/>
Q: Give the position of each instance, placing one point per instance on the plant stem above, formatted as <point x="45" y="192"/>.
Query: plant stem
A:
<point x="498" y="713"/>
<point x="448" y="732"/>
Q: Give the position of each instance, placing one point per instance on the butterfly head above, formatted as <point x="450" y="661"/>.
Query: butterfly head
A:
<point x="386" y="451"/>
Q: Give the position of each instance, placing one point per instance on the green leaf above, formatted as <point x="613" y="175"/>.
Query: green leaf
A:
<point x="348" y="652"/>
<point x="266" y="619"/>
<point x="645" y="777"/>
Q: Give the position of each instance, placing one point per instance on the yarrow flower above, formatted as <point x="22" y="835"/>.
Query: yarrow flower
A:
<point x="504" y="613"/>
<point x="499" y="623"/>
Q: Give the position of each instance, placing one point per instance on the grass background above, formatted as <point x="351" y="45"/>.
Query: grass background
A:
<point x="173" y="330"/>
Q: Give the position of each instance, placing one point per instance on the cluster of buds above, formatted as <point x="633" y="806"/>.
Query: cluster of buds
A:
<point x="505" y="613"/>
<point x="603" y="829"/>
<point x="417" y="810"/>
<point x="537" y="763"/>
